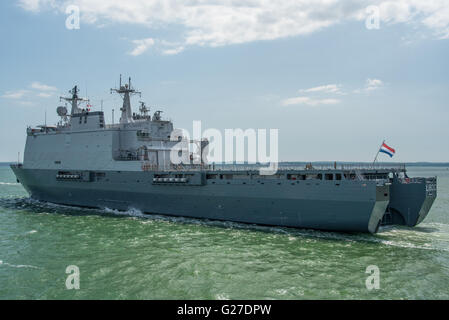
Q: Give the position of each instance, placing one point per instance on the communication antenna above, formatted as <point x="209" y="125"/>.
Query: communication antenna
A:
<point x="143" y="109"/>
<point x="126" y="91"/>
<point x="74" y="100"/>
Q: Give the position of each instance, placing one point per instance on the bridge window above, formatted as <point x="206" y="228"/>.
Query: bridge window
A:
<point x="350" y="176"/>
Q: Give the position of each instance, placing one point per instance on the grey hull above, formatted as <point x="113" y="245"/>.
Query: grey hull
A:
<point x="410" y="202"/>
<point x="350" y="206"/>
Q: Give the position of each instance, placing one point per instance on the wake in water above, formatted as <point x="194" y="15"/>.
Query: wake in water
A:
<point x="17" y="265"/>
<point x="9" y="184"/>
<point x="427" y="236"/>
<point x="36" y="206"/>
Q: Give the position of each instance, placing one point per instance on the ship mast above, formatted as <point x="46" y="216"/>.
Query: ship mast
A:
<point x="125" y="91"/>
<point x="74" y="100"/>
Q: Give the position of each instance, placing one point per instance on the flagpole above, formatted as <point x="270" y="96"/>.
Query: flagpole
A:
<point x="377" y="154"/>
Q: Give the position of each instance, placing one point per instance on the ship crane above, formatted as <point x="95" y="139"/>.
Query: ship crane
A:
<point x="126" y="91"/>
<point x="74" y="100"/>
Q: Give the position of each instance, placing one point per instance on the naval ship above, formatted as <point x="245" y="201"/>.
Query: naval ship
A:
<point x="82" y="161"/>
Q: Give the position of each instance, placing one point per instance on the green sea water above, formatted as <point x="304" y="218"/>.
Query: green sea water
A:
<point x="129" y="255"/>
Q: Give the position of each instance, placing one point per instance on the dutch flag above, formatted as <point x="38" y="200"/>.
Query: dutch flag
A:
<point x="386" y="149"/>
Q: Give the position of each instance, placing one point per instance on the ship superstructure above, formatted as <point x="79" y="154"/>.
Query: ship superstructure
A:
<point x="85" y="162"/>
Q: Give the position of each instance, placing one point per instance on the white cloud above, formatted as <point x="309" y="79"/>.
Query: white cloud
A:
<point x="224" y="22"/>
<point x="162" y="46"/>
<point x="141" y="46"/>
<point x="373" y="84"/>
<point x="173" y="51"/>
<point x="18" y="94"/>
<point x="45" y="95"/>
<point x="370" y="85"/>
<point x="43" y="87"/>
<point x="308" y="101"/>
<point x="319" y="93"/>
<point x="30" y="5"/>
<point x="45" y="91"/>
<point x="330" y="88"/>
<point x="439" y="22"/>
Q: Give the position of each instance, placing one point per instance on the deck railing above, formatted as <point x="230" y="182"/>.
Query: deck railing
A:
<point x="305" y="166"/>
<point x="281" y="167"/>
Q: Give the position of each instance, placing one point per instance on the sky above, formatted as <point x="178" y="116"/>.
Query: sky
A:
<point x="322" y="72"/>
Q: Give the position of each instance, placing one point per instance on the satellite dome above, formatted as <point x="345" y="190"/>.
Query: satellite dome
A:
<point x="61" y="111"/>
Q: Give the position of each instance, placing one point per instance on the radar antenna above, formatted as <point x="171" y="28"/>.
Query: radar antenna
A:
<point x="157" y="115"/>
<point x="74" y="100"/>
<point x="62" y="112"/>
<point x="143" y="109"/>
<point x="125" y="91"/>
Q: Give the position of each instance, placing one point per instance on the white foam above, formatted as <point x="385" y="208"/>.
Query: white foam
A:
<point x="132" y="212"/>
<point x="221" y="296"/>
<point x="282" y="292"/>
<point x="17" y="265"/>
<point x="9" y="184"/>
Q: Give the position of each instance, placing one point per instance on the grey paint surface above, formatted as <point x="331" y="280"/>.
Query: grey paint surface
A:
<point x="343" y="206"/>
